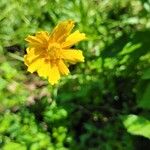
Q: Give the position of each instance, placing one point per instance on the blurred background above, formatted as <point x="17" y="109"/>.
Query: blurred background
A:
<point x="104" y="104"/>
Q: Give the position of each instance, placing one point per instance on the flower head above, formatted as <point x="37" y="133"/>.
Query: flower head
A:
<point x="50" y="54"/>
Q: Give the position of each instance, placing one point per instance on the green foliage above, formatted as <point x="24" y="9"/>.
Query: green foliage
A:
<point x="106" y="98"/>
<point x="13" y="146"/>
<point x="144" y="90"/>
<point x="137" y="125"/>
<point x="144" y="102"/>
<point x="146" y="74"/>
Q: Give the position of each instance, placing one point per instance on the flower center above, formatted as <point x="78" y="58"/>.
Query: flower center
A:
<point x="54" y="51"/>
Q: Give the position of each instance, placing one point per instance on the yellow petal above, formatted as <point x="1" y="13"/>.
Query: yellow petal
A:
<point x="29" y="56"/>
<point x="26" y="61"/>
<point x="33" y="40"/>
<point x="61" y="31"/>
<point x="43" y="35"/>
<point x="54" y="74"/>
<point x="32" y="54"/>
<point x="35" y="65"/>
<point x="63" y="68"/>
<point x="72" y="55"/>
<point x="73" y="39"/>
<point x="39" y="41"/>
<point x="33" y="59"/>
<point x="44" y="70"/>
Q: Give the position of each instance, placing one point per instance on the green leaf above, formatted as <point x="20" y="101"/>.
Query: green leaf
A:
<point x="137" y="125"/>
<point x="146" y="74"/>
<point x="13" y="146"/>
<point x="144" y="102"/>
<point x="3" y="83"/>
<point x="129" y="47"/>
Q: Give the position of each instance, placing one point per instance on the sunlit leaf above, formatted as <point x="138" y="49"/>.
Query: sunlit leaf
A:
<point x="129" y="47"/>
<point x="14" y="146"/>
<point x="137" y="125"/>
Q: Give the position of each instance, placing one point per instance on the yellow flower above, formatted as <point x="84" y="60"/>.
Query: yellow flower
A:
<point x="49" y="54"/>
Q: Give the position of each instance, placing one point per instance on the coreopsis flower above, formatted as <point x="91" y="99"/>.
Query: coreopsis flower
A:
<point x="50" y="54"/>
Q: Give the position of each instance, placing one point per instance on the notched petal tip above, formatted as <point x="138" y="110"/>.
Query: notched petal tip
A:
<point x="82" y="59"/>
<point x="84" y="36"/>
<point x="73" y="38"/>
<point x="72" y="55"/>
<point x="54" y="75"/>
<point x="67" y="22"/>
<point x="61" y="31"/>
<point x="63" y="69"/>
<point x="51" y="82"/>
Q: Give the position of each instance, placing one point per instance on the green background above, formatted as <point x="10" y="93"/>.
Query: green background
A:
<point x="104" y="104"/>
